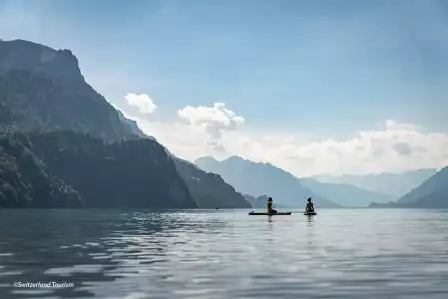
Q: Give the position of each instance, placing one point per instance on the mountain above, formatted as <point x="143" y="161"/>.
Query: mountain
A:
<point x="344" y="194"/>
<point x="263" y="178"/>
<point x="431" y="190"/>
<point x="433" y="193"/>
<point x="26" y="183"/>
<point x="395" y="184"/>
<point x="125" y="174"/>
<point x="131" y="125"/>
<point x="209" y="189"/>
<point x="42" y="89"/>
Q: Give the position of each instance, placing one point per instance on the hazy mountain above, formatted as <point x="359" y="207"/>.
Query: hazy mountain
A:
<point x="396" y="184"/>
<point x="263" y="178"/>
<point x="42" y="89"/>
<point x="344" y="194"/>
<point x="431" y="190"/>
<point x="433" y="193"/>
<point x="209" y="189"/>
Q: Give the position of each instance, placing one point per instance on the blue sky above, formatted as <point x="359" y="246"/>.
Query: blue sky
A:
<point x="328" y="69"/>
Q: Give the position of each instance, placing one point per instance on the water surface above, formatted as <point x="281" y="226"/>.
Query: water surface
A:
<point x="355" y="253"/>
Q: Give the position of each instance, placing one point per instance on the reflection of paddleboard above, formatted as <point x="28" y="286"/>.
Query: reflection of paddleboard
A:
<point x="310" y="213"/>
<point x="264" y="213"/>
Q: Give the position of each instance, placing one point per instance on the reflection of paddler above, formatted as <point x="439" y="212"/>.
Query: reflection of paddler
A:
<point x="270" y="209"/>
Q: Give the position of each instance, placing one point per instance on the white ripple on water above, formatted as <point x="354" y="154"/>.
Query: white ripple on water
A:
<point x="11" y="273"/>
<point x="102" y="257"/>
<point x="77" y="269"/>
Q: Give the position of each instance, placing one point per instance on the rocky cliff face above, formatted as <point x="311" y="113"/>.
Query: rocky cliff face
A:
<point x="39" y="59"/>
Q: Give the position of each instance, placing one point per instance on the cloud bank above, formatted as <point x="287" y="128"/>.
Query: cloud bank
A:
<point x="220" y="132"/>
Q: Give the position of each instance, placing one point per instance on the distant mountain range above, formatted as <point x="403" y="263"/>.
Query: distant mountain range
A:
<point x="263" y="179"/>
<point x="433" y="193"/>
<point x="42" y="91"/>
<point x="395" y="184"/>
<point x="346" y="195"/>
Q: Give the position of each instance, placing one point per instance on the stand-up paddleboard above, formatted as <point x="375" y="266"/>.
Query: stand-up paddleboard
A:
<point x="310" y="213"/>
<point x="269" y="214"/>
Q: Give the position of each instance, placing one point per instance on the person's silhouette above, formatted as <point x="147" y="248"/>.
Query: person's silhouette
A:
<point x="270" y="209"/>
<point x="309" y="206"/>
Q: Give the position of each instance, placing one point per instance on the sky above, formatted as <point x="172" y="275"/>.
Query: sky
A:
<point x="314" y="87"/>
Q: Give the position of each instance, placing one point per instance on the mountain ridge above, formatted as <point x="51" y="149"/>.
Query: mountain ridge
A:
<point x="432" y="193"/>
<point x="263" y="178"/>
<point x="346" y="195"/>
<point x="395" y="184"/>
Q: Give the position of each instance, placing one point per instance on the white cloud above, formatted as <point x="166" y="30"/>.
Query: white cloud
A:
<point x="216" y="131"/>
<point x="142" y="101"/>
<point x="214" y="120"/>
<point x="218" y="116"/>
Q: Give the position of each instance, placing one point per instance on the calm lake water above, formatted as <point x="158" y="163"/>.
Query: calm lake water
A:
<point x="355" y="253"/>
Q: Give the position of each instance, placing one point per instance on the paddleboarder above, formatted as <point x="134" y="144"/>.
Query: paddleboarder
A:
<point x="309" y="206"/>
<point x="270" y="209"/>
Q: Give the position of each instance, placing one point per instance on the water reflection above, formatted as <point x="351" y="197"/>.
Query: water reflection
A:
<point x="224" y="254"/>
<point x="309" y="219"/>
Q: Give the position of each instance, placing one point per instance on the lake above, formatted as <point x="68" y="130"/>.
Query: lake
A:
<point x="355" y="253"/>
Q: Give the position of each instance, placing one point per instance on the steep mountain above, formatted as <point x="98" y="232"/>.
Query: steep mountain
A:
<point x="263" y="178"/>
<point x="42" y="89"/>
<point x="131" y="125"/>
<point x="124" y="174"/>
<point x="433" y="193"/>
<point x="395" y="184"/>
<point x="209" y="189"/>
<point x="344" y="194"/>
